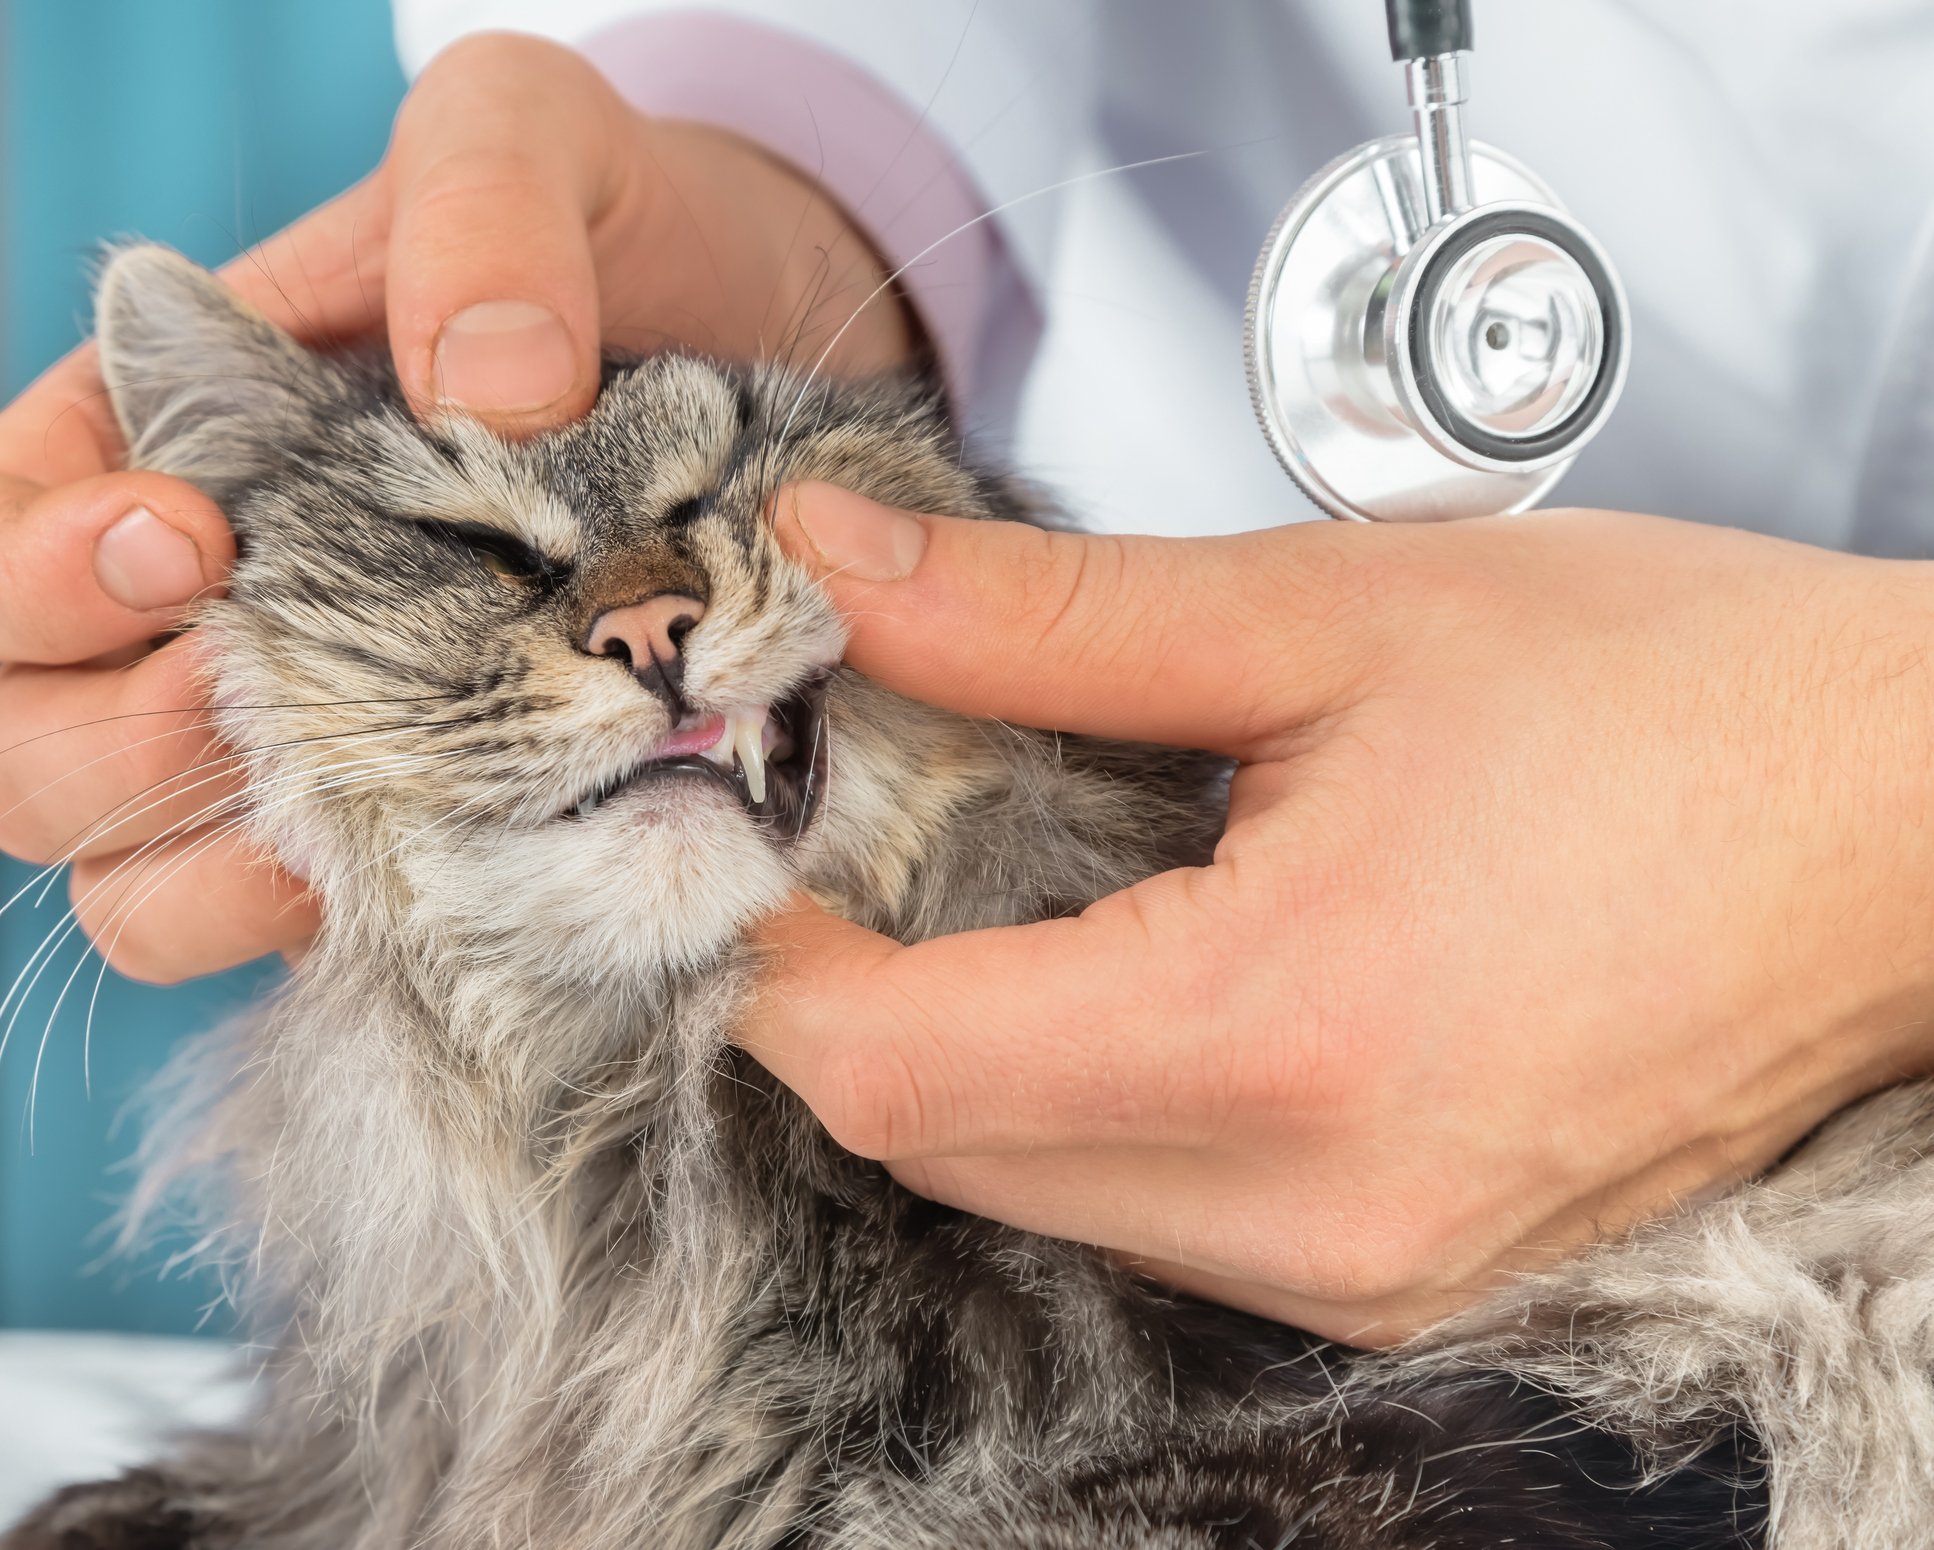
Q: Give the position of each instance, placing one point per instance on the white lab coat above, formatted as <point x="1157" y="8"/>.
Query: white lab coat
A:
<point x="1759" y="170"/>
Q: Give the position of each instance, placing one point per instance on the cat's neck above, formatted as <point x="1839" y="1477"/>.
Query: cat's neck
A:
<point x="456" y="1161"/>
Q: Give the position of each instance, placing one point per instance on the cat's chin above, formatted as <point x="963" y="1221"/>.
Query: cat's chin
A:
<point x="664" y="879"/>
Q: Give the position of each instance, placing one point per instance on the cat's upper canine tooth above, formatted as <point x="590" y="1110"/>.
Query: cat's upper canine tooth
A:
<point x="744" y="734"/>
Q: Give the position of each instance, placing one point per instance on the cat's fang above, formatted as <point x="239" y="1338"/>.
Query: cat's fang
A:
<point x="744" y="737"/>
<point x="750" y="743"/>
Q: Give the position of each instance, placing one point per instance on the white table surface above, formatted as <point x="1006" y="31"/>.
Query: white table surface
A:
<point x="83" y="1406"/>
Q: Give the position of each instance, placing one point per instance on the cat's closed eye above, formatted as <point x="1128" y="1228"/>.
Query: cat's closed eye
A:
<point x="503" y="555"/>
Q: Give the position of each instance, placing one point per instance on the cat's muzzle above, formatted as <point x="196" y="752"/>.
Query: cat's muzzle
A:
<point x="772" y="758"/>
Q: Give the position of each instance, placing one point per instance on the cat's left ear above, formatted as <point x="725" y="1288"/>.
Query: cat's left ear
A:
<point x="201" y="382"/>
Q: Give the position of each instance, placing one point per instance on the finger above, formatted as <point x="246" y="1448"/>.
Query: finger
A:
<point x="196" y="905"/>
<point x="1014" y="1039"/>
<point x="497" y="171"/>
<point x="1215" y="643"/>
<point x="1145" y="1206"/>
<point x="62" y="427"/>
<point x="90" y="567"/>
<point x="1374" y="1326"/>
<point x="100" y="761"/>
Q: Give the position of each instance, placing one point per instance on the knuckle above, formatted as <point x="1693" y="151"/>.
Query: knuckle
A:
<point x="1373" y="1263"/>
<point x="26" y="836"/>
<point x="470" y="174"/>
<point x="499" y="80"/>
<point x="1062" y="582"/>
<point x="32" y="629"/>
<point x="134" y="958"/>
<point x="124" y="929"/>
<point x="1353" y="597"/>
<point x="488" y="53"/>
<point x="29" y="832"/>
<point x="874" y="1105"/>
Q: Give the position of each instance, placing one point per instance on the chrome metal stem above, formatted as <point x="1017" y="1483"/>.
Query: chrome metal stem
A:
<point x="1439" y="88"/>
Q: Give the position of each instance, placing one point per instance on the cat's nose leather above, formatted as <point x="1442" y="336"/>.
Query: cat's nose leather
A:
<point x="649" y="637"/>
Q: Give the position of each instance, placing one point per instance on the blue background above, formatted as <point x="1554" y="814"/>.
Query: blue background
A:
<point x="206" y="124"/>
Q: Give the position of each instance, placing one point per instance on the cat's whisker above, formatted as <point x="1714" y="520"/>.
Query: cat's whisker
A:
<point x="204" y="710"/>
<point x="70" y="848"/>
<point x="57" y="934"/>
<point x="252" y="813"/>
<point x="91" y="831"/>
<point x="964" y="227"/>
<point x="45" y="878"/>
<point x="822" y="731"/>
<point x="174" y="829"/>
<point x="793" y="327"/>
<point x="386" y="767"/>
<point x="213" y="835"/>
<point x="53" y="1015"/>
<point x="101" y="758"/>
<point x="126" y="912"/>
<point x="70" y="919"/>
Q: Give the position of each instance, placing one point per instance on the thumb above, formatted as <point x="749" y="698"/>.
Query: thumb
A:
<point x="1217" y="643"/>
<point x="498" y="169"/>
<point x="103" y="563"/>
<point x="979" y="1043"/>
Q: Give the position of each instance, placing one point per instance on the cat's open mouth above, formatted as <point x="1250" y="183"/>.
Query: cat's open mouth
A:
<point x="771" y="757"/>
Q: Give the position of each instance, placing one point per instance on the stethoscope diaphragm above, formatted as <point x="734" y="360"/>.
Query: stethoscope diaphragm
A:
<point x="1430" y="334"/>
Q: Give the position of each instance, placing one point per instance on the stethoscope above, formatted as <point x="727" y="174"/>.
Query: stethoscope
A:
<point x="1430" y="334"/>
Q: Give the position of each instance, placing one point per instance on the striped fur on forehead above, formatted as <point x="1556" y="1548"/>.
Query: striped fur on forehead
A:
<point x="458" y="472"/>
<point x="667" y="426"/>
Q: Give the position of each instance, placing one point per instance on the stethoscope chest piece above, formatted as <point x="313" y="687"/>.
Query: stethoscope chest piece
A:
<point x="1430" y="334"/>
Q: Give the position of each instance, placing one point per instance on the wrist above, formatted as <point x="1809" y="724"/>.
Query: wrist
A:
<point x="1872" y="719"/>
<point x="765" y="261"/>
<point x="1900" y="618"/>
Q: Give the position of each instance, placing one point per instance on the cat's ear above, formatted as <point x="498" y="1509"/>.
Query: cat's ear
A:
<point x="200" y="381"/>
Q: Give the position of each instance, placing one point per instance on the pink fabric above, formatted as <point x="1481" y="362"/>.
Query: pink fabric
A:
<point x="840" y="126"/>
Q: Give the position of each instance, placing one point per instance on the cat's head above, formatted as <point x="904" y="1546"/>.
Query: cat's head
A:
<point x="565" y="700"/>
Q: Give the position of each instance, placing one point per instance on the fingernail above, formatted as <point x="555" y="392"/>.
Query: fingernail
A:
<point x="504" y="357"/>
<point x="144" y="564"/>
<point x="858" y="537"/>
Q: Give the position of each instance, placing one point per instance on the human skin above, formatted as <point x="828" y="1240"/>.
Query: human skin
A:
<point x="1575" y="866"/>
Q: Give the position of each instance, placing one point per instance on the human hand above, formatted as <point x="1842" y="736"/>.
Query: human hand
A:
<point x="523" y="218"/>
<point x="1576" y="866"/>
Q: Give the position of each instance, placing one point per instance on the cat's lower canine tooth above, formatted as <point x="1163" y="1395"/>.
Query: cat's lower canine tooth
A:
<point x="744" y="735"/>
<point x="748" y="732"/>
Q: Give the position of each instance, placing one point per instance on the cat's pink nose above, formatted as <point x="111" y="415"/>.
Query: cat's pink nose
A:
<point x="649" y="637"/>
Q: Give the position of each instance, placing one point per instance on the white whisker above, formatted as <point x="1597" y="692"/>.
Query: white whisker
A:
<point x="965" y="226"/>
<point x="301" y="785"/>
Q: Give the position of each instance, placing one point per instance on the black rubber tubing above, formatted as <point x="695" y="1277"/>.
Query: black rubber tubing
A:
<point x="1420" y="28"/>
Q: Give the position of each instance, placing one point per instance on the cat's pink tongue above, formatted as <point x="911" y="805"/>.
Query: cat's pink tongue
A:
<point x="701" y="737"/>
